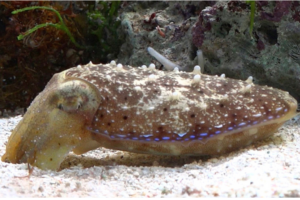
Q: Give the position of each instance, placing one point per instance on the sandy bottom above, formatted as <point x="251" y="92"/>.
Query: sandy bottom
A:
<point x="266" y="169"/>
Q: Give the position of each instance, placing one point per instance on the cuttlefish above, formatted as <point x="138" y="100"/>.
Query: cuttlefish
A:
<point x="144" y="110"/>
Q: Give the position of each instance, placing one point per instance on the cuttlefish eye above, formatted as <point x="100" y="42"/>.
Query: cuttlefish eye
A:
<point x="70" y="104"/>
<point x="70" y="97"/>
<point x="69" y="107"/>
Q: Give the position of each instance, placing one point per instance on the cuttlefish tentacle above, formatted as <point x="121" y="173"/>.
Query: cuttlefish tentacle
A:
<point x="144" y="110"/>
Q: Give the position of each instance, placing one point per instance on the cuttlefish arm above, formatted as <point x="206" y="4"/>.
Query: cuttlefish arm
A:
<point x="144" y="111"/>
<point x="54" y="124"/>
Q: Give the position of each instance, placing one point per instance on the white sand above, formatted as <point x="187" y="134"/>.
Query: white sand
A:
<point x="270" y="168"/>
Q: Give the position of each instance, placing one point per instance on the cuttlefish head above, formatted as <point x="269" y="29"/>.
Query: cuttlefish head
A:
<point x="54" y="124"/>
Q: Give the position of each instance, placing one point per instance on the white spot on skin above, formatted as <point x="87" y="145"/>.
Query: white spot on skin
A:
<point x="90" y="64"/>
<point x="119" y="67"/>
<point x="219" y="126"/>
<point x="108" y="77"/>
<point x="203" y="105"/>
<point x="113" y="62"/>
<point x="151" y="108"/>
<point x="249" y="79"/>
<point x="151" y="66"/>
<point x="196" y="78"/>
<point x="224" y="98"/>
<point x="176" y="69"/>
<point x="246" y="89"/>
<point x="137" y="88"/>
<point x="175" y="96"/>
<point x="120" y="88"/>
<point x="152" y="77"/>
<point x="197" y="69"/>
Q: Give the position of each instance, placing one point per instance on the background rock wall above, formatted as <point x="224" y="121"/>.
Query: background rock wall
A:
<point x="221" y="30"/>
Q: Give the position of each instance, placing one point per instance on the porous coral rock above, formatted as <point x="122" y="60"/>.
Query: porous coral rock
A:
<point x="221" y="31"/>
<point x="271" y="56"/>
<point x="175" y="19"/>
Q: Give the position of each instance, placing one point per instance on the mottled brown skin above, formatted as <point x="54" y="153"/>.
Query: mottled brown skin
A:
<point x="144" y="111"/>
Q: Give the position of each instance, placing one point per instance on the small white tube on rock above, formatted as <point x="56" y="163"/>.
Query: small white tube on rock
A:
<point x="200" y="60"/>
<point x="197" y="69"/>
<point x="169" y="65"/>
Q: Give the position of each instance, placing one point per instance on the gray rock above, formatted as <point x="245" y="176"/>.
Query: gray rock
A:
<point x="221" y="31"/>
<point x="175" y="20"/>
<point x="271" y="56"/>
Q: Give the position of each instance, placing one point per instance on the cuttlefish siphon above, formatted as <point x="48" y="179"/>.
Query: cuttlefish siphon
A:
<point x="144" y="110"/>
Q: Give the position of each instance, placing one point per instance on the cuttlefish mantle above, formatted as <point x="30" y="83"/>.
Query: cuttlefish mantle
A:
<point x="144" y="110"/>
